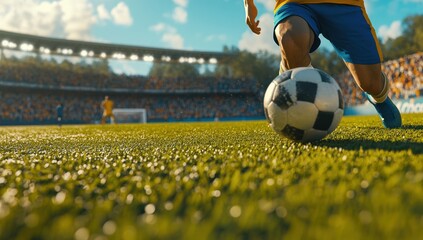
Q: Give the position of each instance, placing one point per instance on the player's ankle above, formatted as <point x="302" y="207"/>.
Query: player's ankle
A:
<point x="383" y="94"/>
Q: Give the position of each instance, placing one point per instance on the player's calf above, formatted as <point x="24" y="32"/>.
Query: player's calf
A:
<point x="388" y="112"/>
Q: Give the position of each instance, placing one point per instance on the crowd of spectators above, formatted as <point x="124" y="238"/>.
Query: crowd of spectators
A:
<point x="57" y="76"/>
<point x="219" y="97"/>
<point x="405" y="75"/>
<point x="33" y="107"/>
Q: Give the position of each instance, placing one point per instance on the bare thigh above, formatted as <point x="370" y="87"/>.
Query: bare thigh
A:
<point x="295" y="39"/>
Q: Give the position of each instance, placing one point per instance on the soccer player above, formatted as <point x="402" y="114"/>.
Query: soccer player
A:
<point x="107" y="106"/>
<point x="297" y="26"/>
<point x="59" y="112"/>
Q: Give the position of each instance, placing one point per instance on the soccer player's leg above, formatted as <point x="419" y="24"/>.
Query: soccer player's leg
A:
<point x="296" y="34"/>
<point x="295" y="39"/>
<point x="103" y="118"/>
<point x="353" y="36"/>
<point x="376" y="86"/>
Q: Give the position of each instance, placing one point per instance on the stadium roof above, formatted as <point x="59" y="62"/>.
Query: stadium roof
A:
<point x="63" y="47"/>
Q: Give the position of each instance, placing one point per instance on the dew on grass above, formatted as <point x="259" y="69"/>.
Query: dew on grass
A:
<point x="216" y="193"/>
<point x="59" y="198"/>
<point x="150" y="209"/>
<point x="82" y="234"/>
<point x="235" y="211"/>
<point x="109" y="227"/>
<point x="364" y="184"/>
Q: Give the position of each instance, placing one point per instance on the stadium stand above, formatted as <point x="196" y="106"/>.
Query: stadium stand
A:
<point x="37" y="75"/>
<point x="405" y="75"/>
<point x="82" y="108"/>
<point x="29" y="93"/>
<point x="37" y="107"/>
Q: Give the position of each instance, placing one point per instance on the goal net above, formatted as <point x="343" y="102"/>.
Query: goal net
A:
<point x="130" y="115"/>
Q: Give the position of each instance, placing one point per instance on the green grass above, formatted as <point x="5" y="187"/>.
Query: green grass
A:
<point x="226" y="180"/>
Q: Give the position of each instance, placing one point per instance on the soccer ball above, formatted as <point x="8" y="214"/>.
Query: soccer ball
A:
<point x="303" y="104"/>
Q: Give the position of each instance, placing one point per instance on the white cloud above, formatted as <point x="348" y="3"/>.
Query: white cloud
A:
<point x="269" y="4"/>
<point x="254" y="43"/>
<point x="77" y="18"/>
<point x="71" y="19"/>
<point x="393" y="31"/>
<point x="180" y="15"/>
<point x="121" y="14"/>
<point x="182" y="3"/>
<point x="174" y="40"/>
<point x="159" y="27"/>
<point x="29" y="16"/>
<point x="102" y="12"/>
<point x="170" y="35"/>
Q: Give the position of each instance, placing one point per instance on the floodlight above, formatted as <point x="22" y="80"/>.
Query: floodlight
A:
<point x="148" y="58"/>
<point x="213" y="60"/>
<point x="166" y="58"/>
<point x="133" y="57"/>
<point x="26" y="47"/>
<point x="84" y="53"/>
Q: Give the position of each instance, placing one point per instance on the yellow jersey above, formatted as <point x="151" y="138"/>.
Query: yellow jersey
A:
<point x="280" y="3"/>
<point x="108" y="107"/>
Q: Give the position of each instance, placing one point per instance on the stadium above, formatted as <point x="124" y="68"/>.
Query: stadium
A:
<point x="205" y="165"/>
<point x="189" y="99"/>
<point x="201" y="99"/>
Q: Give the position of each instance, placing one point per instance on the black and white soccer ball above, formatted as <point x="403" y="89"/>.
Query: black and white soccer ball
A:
<point x="304" y="104"/>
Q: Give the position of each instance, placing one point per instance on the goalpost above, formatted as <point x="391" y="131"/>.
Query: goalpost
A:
<point x="130" y="115"/>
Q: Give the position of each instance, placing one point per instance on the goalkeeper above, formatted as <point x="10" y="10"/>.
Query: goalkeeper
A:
<point x="297" y="26"/>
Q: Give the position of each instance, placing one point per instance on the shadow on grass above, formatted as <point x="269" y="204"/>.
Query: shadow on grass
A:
<point x="386" y="145"/>
<point x="403" y="127"/>
<point x="366" y="144"/>
<point x="412" y="127"/>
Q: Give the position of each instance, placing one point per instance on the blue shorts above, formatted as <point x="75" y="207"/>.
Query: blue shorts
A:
<point x="347" y="27"/>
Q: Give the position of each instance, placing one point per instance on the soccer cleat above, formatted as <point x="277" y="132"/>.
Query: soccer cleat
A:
<point x="388" y="112"/>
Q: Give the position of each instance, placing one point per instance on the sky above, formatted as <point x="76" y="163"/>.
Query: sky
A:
<point x="205" y="25"/>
